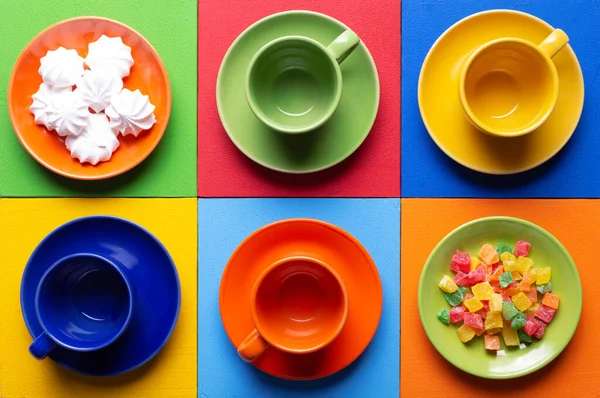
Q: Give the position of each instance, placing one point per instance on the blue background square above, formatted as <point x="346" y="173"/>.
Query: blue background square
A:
<point x="428" y="172"/>
<point x="222" y="226"/>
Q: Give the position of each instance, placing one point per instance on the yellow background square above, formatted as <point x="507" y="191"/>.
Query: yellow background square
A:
<point x="23" y="224"/>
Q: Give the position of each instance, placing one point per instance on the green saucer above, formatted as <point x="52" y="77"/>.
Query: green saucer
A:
<point x="472" y="357"/>
<point x="300" y="153"/>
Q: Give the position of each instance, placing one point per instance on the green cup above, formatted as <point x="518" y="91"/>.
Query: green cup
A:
<point x="294" y="83"/>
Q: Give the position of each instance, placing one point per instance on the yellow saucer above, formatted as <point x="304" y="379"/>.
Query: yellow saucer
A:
<point x="446" y="120"/>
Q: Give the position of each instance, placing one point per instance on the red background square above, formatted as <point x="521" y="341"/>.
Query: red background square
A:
<point x="372" y="171"/>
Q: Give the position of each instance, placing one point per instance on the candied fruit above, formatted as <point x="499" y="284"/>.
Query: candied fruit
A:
<point x="522" y="248"/>
<point x="550" y="300"/>
<point x="448" y="285"/>
<point x="521" y="301"/>
<point x="483" y="291"/>
<point x="473" y="305"/>
<point x="460" y="262"/>
<point x="543" y="275"/>
<point x="488" y="254"/>
<point x="492" y="343"/>
<point x="465" y="333"/>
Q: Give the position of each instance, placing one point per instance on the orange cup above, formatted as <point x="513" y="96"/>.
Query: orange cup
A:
<point x="298" y="305"/>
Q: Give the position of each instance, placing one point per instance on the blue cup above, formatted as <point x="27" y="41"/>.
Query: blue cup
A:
<point x="83" y="302"/>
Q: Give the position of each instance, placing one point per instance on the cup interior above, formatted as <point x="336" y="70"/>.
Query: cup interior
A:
<point x="300" y="305"/>
<point x="510" y="87"/>
<point x="293" y="84"/>
<point x="84" y="302"/>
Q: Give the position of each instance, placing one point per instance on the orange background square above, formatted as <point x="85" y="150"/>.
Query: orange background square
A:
<point x="425" y="373"/>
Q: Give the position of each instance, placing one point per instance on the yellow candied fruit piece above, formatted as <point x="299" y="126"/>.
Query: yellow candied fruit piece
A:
<point x="493" y="320"/>
<point x="473" y="305"/>
<point x="521" y="301"/>
<point x="465" y="333"/>
<point x="523" y="264"/>
<point x="532" y="310"/>
<point x="510" y="336"/>
<point x="483" y="291"/>
<point x="508" y="261"/>
<point x="488" y="254"/>
<point x="543" y="275"/>
<point x="516" y="275"/>
<point x="474" y="263"/>
<point x="448" y="285"/>
<point x="496" y="303"/>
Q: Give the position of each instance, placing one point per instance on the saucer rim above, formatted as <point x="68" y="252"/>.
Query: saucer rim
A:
<point x="334" y="228"/>
<point x="144" y="231"/>
<point x="434" y="47"/>
<point x="220" y="105"/>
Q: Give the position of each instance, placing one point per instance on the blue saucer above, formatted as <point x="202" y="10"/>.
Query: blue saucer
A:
<point x="154" y="280"/>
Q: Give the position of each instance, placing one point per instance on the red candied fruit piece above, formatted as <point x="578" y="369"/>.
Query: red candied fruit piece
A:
<point x="461" y="262"/>
<point x="495" y="266"/>
<point x="540" y="332"/>
<point x="457" y="313"/>
<point x="505" y="298"/>
<point x="545" y="313"/>
<point x="462" y="279"/>
<point x="474" y="321"/>
<point x="531" y="325"/>
<point x="477" y="276"/>
<point x="522" y="248"/>
<point x="482" y="313"/>
<point x="486" y="305"/>
<point x="496" y="286"/>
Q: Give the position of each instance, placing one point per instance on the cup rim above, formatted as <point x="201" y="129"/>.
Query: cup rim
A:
<point x="47" y="274"/>
<point x="463" y="96"/>
<point x="266" y="336"/>
<point x="333" y="105"/>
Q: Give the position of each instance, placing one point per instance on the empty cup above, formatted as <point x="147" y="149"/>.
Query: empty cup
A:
<point x="294" y="83"/>
<point x="299" y="305"/>
<point x="83" y="302"/>
<point x="509" y="86"/>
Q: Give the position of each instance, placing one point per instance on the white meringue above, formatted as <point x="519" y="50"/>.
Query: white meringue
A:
<point x="69" y="114"/>
<point x="110" y="54"/>
<point x="96" y="143"/>
<point x="96" y="88"/>
<point x="61" y="67"/>
<point x="130" y="112"/>
<point x="43" y="103"/>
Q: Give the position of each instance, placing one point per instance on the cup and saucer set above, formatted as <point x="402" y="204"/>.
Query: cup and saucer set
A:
<point x="501" y="91"/>
<point x="100" y="296"/>
<point x="297" y="92"/>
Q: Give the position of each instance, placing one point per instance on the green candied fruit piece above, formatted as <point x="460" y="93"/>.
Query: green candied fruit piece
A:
<point x="503" y="248"/>
<point x="524" y="337"/>
<point x="545" y="288"/>
<point x="454" y="299"/>
<point x="464" y="290"/>
<point x="505" y="279"/>
<point x="509" y="311"/>
<point x="444" y="316"/>
<point x="518" y="321"/>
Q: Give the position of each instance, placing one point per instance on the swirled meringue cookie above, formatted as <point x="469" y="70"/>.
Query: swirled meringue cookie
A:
<point x="96" y="143"/>
<point x="130" y="112"/>
<point x="69" y="114"/>
<point x="61" y="67"/>
<point x="43" y="103"/>
<point x="110" y="54"/>
<point x="97" y="87"/>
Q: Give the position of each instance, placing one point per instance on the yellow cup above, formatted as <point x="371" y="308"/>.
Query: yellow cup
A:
<point x="509" y="87"/>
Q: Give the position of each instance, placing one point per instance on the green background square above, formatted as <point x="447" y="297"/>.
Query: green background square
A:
<point x="171" y="27"/>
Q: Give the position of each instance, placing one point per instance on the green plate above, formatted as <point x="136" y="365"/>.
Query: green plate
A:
<point x="298" y="153"/>
<point x="472" y="357"/>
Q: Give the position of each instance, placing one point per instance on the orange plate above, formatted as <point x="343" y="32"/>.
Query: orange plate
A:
<point x="147" y="74"/>
<point x="320" y="240"/>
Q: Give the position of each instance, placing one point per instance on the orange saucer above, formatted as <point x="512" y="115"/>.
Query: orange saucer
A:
<point x="325" y="242"/>
<point x="147" y="74"/>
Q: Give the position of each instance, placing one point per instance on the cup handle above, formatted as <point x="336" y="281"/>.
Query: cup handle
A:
<point x="343" y="45"/>
<point x="252" y="347"/>
<point x="41" y="346"/>
<point x="554" y="42"/>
